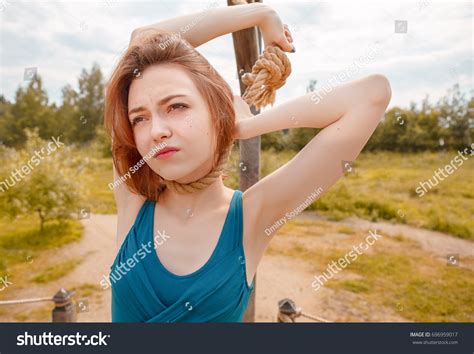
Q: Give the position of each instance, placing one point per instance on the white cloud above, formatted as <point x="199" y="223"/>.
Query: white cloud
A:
<point x="60" y="38"/>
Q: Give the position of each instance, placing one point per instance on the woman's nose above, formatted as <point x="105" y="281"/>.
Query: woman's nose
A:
<point x="160" y="129"/>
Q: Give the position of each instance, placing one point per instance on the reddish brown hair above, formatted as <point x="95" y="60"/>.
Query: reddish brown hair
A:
<point x="162" y="47"/>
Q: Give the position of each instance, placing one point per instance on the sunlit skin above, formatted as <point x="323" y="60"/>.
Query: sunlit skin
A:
<point x="348" y="115"/>
<point x="182" y="122"/>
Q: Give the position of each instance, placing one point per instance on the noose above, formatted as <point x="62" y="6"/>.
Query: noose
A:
<point x="269" y="73"/>
<point x="201" y="183"/>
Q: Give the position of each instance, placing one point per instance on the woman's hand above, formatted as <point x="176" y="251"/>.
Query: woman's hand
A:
<point x="275" y="33"/>
<point x="242" y="113"/>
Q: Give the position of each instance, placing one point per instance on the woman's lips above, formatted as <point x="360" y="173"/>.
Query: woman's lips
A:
<point x="165" y="154"/>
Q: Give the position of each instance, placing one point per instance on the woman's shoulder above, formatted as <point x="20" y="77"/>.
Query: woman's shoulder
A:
<point x="127" y="214"/>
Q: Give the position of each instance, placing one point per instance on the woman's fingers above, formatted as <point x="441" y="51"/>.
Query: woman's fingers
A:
<point x="288" y="37"/>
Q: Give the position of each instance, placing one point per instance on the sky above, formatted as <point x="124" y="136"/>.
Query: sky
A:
<point x="423" y="47"/>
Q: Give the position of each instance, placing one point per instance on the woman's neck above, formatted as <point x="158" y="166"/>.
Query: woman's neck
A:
<point x="186" y="205"/>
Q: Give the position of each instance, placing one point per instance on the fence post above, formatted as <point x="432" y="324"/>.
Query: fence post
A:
<point x="247" y="43"/>
<point x="64" y="309"/>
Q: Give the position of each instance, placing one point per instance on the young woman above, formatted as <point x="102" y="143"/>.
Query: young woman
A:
<point x="189" y="246"/>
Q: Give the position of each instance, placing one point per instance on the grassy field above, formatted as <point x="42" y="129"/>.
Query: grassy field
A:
<point x="395" y="273"/>
<point x="382" y="187"/>
<point x="21" y="239"/>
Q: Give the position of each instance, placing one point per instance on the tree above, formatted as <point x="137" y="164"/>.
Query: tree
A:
<point x="89" y="102"/>
<point x="447" y="124"/>
<point x="454" y="117"/>
<point x="67" y="115"/>
<point x="102" y="143"/>
<point x="44" y="185"/>
<point x="30" y="110"/>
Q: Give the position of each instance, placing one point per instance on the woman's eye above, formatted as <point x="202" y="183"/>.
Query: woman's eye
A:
<point x="178" y="106"/>
<point x="136" y="120"/>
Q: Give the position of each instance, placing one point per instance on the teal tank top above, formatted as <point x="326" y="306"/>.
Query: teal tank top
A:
<point x="143" y="290"/>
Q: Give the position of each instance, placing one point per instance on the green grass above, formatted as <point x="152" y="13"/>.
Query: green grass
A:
<point x="21" y="239"/>
<point x="344" y="229"/>
<point x="430" y="292"/>
<point x="396" y="273"/>
<point x="41" y="314"/>
<point x="355" y="286"/>
<point x="97" y="176"/>
<point x="382" y="187"/>
<point x="85" y="290"/>
<point x="57" y="271"/>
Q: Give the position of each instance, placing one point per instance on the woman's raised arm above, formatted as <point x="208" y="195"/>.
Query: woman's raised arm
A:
<point x="348" y="114"/>
<point x="200" y="27"/>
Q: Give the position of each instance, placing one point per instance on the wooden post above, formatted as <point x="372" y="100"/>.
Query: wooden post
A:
<point x="247" y="48"/>
<point x="64" y="310"/>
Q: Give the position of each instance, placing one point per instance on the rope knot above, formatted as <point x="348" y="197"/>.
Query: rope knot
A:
<point x="210" y="178"/>
<point x="269" y="73"/>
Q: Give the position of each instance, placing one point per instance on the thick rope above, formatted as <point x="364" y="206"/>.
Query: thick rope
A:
<point x="268" y="74"/>
<point x="210" y="178"/>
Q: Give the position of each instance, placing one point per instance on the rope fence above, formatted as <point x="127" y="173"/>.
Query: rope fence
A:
<point x="64" y="308"/>
<point x="288" y="312"/>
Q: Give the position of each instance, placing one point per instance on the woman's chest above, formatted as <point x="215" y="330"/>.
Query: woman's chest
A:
<point x="184" y="246"/>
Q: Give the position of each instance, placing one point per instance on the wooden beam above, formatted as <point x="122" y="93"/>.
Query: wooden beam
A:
<point x="247" y="48"/>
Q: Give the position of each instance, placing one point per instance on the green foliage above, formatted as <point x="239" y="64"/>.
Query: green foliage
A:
<point x="382" y="188"/>
<point x="102" y="144"/>
<point x="76" y="119"/>
<point x="30" y="110"/>
<point x="88" y="103"/>
<point x="40" y="179"/>
<point x="447" y="125"/>
<point x="277" y="141"/>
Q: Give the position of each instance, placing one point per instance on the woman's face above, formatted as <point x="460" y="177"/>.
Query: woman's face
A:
<point x="181" y="122"/>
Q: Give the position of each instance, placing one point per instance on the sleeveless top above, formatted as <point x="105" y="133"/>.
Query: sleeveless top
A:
<point x="143" y="290"/>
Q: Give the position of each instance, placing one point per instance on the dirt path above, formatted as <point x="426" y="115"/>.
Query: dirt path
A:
<point x="96" y="249"/>
<point x="281" y="277"/>
<point x="434" y="242"/>
<point x="278" y="276"/>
